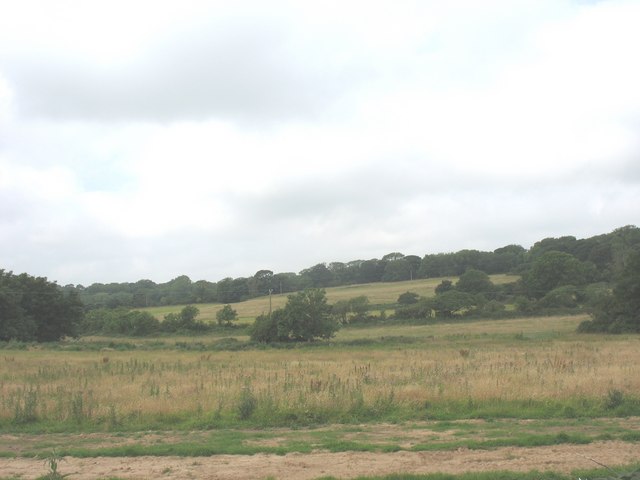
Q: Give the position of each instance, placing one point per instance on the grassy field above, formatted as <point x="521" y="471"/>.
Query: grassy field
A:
<point x="378" y="294"/>
<point x="446" y="387"/>
<point x="524" y="368"/>
<point x="440" y="387"/>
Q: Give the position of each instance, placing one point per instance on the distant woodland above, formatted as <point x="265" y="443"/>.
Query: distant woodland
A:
<point x="600" y="275"/>
<point x="595" y="259"/>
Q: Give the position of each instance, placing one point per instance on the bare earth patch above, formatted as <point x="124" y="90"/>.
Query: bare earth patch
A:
<point x="559" y="458"/>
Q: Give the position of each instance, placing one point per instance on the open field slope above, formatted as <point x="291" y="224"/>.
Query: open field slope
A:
<point x="380" y="293"/>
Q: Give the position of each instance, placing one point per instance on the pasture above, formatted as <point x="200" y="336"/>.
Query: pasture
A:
<point x="379" y="294"/>
<point x="485" y="385"/>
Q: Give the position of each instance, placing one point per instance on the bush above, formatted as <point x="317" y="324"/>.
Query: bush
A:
<point x="183" y="321"/>
<point x="305" y="317"/>
<point x="265" y="328"/>
<point x="226" y="315"/>
<point x="408" y="298"/>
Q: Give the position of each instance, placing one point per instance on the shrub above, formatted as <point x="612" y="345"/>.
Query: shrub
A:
<point x="408" y="298"/>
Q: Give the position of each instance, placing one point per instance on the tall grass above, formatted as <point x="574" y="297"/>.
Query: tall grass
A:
<point x="497" y="376"/>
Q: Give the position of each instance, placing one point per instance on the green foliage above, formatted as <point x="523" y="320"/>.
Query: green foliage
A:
<point x="453" y="302"/>
<point x="351" y="311"/>
<point x="265" y="328"/>
<point x="34" y="309"/>
<point x="52" y="462"/>
<point x="421" y="310"/>
<point x="474" y="281"/>
<point x="619" y="312"/>
<point x="555" y="269"/>
<point x="120" y="321"/>
<point x="247" y="403"/>
<point x="560" y="297"/>
<point x="226" y="316"/>
<point x="183" y="321"/>
<point x="408" y="298"/>
<point x="444" y="286"/>
<point x="305" y="317"/>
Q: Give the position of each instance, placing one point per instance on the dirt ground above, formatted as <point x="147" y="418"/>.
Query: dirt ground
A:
<point x="559" y="458"/>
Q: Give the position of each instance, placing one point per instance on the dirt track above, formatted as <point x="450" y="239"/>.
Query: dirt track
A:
<point x="559" y="458"/>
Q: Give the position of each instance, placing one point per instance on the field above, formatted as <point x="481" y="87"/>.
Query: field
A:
<point x="517" y="394"/>
<point x="377" y="293"/>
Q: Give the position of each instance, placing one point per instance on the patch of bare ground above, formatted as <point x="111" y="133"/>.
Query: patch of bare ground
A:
<point x="558" y="458"/>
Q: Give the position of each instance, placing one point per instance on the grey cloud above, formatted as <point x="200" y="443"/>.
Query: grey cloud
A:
<point x="249" y="72"/>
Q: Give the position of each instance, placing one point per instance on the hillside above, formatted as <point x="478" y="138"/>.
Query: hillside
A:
<point x="379" y="294"/>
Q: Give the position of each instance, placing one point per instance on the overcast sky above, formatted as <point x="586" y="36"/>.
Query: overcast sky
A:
<point x="151" y="139"/>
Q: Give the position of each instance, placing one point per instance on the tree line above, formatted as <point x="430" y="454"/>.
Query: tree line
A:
<point x="604" y="255"/>
<point x="601" y="272"/>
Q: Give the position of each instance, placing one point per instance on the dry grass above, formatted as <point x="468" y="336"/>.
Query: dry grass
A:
<point x="378" y="293"/>
<point x="496" y="366"/>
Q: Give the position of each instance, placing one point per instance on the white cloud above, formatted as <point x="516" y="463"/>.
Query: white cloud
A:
<point x="215" y="138"/>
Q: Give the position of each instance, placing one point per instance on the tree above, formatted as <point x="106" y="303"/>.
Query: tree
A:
<point x="396" y="270"/>
<point x="260" y="283"/>
<point x="452" y="303"/>
<point x="353" y="310"/>
<point x="554" y="269"/>
<point x="359" y="306"/>
<point x="265" y="328"/>
<point x="620" y="311"/>
<point x="474" y="281"/>
<point x="444" y="286"/>
<point x="408" y="298"/>
<point x="32" y="308"/>
<point x="226" y="315"/>
<point x="318" y="276"/>
<point x="185" y="320"/>
<point x="305" y="317"/>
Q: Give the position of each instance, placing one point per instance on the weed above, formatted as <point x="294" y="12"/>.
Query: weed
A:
<point x="25" y="408"/>
<point x="247" y="403"/>
<point x="52" y="462"/>
<point x="615" y="398"/>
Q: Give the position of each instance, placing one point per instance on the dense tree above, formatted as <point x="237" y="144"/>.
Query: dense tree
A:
<point x="604" y="255"/>
<point x="396" y="271"/>
<point x="183" y="321"/>
<point x="119" y="321"/>
<point x="408" y="298"/>
<point x="453" y="302"/>
<point x="554" y="269"/>
<point x="261" y="283"/>
<point x="32" y="308"/>
<point x="619" y="311"/>
<point x="475" y="281"/>
<point x="318" y="276"/>
<point x="305" y="317"/>
<point x="265" y="328"/>
<point x="444" y="286"/>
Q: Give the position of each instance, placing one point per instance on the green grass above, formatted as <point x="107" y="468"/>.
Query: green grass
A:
<point x="405" y="436"/>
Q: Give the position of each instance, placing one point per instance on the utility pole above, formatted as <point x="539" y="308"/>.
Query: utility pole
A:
<point x="270" y="290"/>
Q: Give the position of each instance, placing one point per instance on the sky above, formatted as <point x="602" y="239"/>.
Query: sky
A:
<point x="150" y="139"/>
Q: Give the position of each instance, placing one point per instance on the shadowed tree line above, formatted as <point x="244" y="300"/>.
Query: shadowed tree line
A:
<point x="601" y="257"/>
<point x="600" y="273"/>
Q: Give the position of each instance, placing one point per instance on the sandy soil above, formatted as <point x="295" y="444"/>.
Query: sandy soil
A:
<point x="559" y="458"/>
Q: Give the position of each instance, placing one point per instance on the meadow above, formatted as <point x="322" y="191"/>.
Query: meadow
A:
<point x="521" y="368"/>
<point x="380" y="294"/>
<point x="384" y="387"/>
